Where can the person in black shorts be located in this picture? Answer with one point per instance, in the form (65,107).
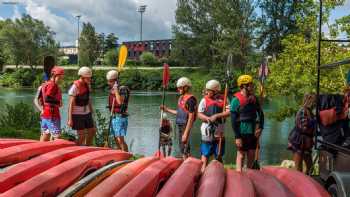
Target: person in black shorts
(185,114)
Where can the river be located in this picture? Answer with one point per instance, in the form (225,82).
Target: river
(144,116)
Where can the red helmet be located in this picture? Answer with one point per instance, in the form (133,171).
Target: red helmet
(56,70)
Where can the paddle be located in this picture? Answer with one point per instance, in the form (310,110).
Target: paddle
(166,78)
(229,62)
(263,72)
(123,52)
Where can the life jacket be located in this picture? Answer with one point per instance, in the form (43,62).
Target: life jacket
(121,108)
(51,102)
(83,96)
(247,107)
(214,105)
(182,112)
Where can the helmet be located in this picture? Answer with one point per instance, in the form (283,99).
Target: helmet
(112,74)
(85,72)
(183,81)
(165,116)
(213,85)
(56,70)
(244,79)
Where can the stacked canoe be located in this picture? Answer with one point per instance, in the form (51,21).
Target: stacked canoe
(60,168)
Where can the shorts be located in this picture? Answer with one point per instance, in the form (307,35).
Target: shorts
(185,149)
(212,148)
(82,121)
(249,142)
(119,126)
(51,126)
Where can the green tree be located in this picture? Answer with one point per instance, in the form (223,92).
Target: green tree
(27,40)
(111,57)
(147,58)
(111,42)
(207,31)
(88,45)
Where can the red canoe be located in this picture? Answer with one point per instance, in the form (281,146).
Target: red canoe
(300,184)
(212,182)
(238,185)
(119,179)
(11,142)
(182,183)
(148,181)
(27,169)
(53,181)
(23,152)
(267,185)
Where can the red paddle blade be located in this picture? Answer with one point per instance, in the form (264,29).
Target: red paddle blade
(166,75)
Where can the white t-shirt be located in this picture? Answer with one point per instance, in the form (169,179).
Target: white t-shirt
(79,110)
(219,129)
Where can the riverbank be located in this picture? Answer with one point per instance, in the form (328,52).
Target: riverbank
(137,78)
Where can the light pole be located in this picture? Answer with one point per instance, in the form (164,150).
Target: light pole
(141,9)
(78,20)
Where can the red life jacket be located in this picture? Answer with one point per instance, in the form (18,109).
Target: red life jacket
(118,108)
(83,96)
(214,105)
(52,100)
(247,107)
(182,112)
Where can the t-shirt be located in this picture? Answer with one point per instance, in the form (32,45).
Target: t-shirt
(205,135)
(79,110)
(191,105)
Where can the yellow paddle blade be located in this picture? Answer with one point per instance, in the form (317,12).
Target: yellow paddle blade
(123,53)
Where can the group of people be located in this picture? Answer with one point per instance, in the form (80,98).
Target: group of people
(244,109)
(48,101)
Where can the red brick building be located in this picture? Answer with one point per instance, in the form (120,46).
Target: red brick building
(160,48)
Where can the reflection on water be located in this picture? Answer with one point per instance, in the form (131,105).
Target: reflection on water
(144,123)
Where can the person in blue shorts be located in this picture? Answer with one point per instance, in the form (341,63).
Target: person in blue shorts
(118,100)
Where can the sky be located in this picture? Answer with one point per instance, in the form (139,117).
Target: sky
(108,16)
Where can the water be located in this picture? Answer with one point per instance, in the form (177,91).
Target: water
(144,123)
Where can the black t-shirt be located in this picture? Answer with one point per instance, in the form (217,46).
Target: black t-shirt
(191,105)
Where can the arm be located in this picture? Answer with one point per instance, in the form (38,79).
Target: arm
(166,109)
(70,109)
(235,125)
(36,101)
(203,117)
(188,127)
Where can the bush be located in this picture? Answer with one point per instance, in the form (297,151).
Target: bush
(133,63)
(147,58)
(111,57)
(63,61)
(18,78)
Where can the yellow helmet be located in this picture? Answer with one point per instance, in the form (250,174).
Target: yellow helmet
(244,79)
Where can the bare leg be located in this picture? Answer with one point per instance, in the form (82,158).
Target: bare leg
(45,137)
(297,157)
(169,149)
(118,147)
(250,158)
(90,136)
(122,143)
(81,137)
(240,161)
(204,161)
(308,161)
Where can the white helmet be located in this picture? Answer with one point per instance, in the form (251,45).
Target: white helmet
(164,116)
(85,72)
(183,81)
(112,74)
(213,85)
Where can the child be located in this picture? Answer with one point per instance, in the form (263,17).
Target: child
(51,99)
(211,104)
(165,135)
(80,108)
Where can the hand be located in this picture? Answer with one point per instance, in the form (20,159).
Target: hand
(212,118)
(184,139)
(238,143)
(41,112)
(257,132)
(164,108)
(70,123)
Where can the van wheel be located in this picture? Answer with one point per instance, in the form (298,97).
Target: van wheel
(333,190)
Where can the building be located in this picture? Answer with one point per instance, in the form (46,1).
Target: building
(70,53)
(160,48)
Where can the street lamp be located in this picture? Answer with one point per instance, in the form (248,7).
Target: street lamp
(78,20)
(141,9)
